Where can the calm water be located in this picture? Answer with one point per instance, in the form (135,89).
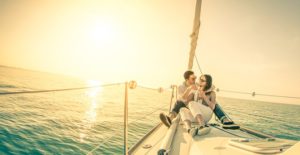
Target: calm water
(78,122)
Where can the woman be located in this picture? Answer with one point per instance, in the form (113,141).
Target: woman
(201,103)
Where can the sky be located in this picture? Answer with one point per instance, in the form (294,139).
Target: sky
(246,45)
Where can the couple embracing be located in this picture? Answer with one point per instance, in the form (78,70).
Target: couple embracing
(197,103)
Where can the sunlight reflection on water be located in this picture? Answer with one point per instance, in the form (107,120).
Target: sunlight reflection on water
(93,104)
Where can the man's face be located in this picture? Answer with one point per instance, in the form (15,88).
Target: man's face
(192,79)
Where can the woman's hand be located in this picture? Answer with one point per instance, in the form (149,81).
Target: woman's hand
(193,87)
(187,95)
(201,93)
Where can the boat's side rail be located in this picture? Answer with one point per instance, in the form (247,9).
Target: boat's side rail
(142,139)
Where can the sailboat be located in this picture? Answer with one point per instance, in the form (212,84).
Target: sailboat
(219,141)
(175,140)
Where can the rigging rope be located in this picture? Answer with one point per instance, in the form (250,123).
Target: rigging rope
(227,131)
(156,89)
(295,97)
(69,89)
(56,90)
(198,65)
(257,94)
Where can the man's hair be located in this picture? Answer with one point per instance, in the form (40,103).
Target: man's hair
(187,74)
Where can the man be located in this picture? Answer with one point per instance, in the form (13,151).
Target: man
(183,92)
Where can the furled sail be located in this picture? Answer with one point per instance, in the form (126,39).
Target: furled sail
(194,35)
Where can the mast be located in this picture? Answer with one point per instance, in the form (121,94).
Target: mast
(194,35)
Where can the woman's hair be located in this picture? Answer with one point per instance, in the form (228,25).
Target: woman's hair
(208,79)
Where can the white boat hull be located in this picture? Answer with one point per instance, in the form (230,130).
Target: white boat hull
(218,142)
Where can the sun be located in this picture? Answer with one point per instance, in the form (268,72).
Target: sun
(102,32)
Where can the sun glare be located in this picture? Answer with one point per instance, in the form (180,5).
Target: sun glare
(91,112)
(93,92)
(102,33)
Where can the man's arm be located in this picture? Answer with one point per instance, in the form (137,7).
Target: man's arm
(190,97)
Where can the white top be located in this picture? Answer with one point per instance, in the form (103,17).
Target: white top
(181,90)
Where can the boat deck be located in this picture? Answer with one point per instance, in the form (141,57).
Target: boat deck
(215,142)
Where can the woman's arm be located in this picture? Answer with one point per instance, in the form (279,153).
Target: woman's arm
(211,103)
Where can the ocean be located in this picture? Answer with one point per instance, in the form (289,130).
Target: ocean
(90,121)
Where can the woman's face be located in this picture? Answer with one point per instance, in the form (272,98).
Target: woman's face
(202,81)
